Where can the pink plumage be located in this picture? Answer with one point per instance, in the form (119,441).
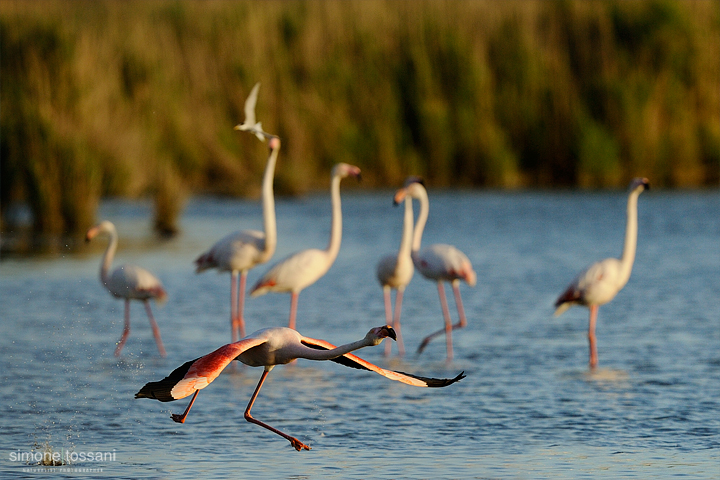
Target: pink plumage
(267,348)
(439,263)
(600,282)
(128,282)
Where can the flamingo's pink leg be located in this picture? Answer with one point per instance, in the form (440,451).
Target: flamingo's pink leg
(126,329)
(388,316)
(181,418)
(293,309)
(591,336)
(240,320)
(297,444)
(155,329)
(462,322)
(396,320)
(448,325)
(233,306)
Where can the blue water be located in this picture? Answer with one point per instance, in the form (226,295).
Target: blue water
(529,407)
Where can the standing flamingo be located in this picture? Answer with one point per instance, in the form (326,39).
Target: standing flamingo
(240,251)
(395,272)
(304,268)
(267,348)
(438,262)
(601,281)
(128,282)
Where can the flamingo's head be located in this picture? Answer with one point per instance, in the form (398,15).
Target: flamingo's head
(376,335)
(274,142)
(414,187)
(103,227)
(640,184)
(343,170)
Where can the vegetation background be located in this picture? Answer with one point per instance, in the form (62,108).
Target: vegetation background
(138,98)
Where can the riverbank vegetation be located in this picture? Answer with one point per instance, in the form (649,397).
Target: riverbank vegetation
(139,98)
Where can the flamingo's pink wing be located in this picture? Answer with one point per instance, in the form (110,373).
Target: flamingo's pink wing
(353,361)
(196,374)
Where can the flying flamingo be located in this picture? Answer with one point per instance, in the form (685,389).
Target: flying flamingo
(267,348)
(240,251)
(438,262)
(395,272)
(304,268)
(601,281)
(128,282)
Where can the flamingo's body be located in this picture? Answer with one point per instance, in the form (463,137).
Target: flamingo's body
(601,281)
(438,262)
(250,125)
(267,348)
(240,251)
(394,272)
(302,269)
(129,282)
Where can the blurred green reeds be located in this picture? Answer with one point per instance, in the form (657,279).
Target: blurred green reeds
(138,98)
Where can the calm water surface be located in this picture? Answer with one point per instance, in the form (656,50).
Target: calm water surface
(528,408)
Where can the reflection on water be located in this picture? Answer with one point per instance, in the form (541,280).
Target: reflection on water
(529,408)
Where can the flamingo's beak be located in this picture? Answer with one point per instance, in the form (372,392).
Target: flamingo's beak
(390,332)
(90,234)
(399,196)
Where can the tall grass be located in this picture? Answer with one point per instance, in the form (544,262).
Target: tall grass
(139,98)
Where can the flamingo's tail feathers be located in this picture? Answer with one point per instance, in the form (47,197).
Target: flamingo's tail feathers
(162,390)
(160,295)
(561,308)
(204,262)
(570,297)
(470,276)
(262,287)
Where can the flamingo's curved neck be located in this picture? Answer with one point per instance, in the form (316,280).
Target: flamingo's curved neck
(421,220)
(407,235)
(631,231)
(313,354)
(336,227)
(268,199)
(108,257)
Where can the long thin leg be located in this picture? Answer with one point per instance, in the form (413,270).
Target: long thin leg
(155,329)
(591,336)
(448,325)
(293,309)
(458,301)
(388,315)
(126,329)
(233,307)
(297,444)
(240,320)
(396,320)
(181,418)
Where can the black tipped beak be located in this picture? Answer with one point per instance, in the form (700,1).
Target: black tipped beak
(359,177)
(391,332)
(395,203)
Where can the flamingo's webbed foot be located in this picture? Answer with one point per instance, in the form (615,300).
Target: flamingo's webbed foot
(178,418)
(298,444)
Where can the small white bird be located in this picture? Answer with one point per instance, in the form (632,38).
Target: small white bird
(129,282)
(601,281)
(250,125)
